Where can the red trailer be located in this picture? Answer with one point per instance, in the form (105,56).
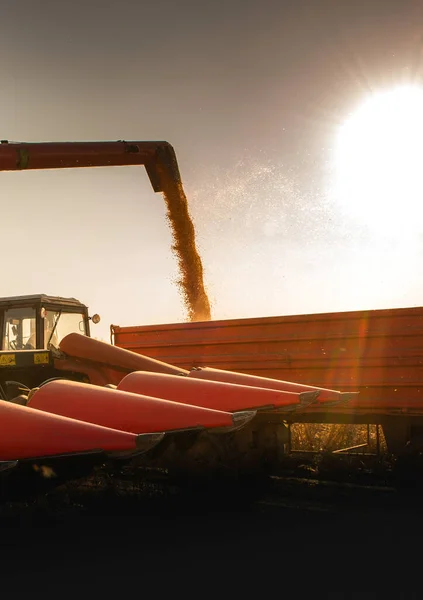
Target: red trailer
(376,352)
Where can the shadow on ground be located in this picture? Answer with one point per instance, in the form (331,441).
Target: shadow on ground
(113,539)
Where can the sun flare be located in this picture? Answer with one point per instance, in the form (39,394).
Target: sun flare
(379,158)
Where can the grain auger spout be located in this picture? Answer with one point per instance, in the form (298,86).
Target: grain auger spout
(159,160)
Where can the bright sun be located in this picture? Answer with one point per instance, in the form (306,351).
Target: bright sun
(379,159)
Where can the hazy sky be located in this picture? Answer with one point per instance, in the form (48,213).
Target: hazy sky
(251,95)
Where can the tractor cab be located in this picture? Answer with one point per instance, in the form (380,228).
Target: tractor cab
(40,322)
(31,327)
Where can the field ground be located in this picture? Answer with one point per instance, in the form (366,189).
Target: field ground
(297,538)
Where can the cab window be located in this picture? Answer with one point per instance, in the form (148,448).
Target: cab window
(58,325)
(19,332)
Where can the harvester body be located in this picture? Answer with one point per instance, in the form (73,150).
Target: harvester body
(66,398)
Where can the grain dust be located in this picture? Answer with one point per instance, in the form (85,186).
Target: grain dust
(191,283)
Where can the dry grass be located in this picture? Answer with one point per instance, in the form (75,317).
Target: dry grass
(327,438)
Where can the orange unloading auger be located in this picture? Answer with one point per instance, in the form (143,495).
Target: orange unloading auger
(158,158)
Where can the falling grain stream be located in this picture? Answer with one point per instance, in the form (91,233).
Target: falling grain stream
(191,282)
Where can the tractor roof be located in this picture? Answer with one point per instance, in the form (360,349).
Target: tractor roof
(39,299)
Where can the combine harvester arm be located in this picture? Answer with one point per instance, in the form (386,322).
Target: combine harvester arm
(254,440)
(158,158)
(224,403)
(326,396)
(105,364)
(41,450)
(129,412)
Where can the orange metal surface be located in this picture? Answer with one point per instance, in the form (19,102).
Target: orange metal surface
(378,353)
(221,396)
(123,410)
(210,374)
(95,373)
(80,347)
(155,156)
(28,433)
